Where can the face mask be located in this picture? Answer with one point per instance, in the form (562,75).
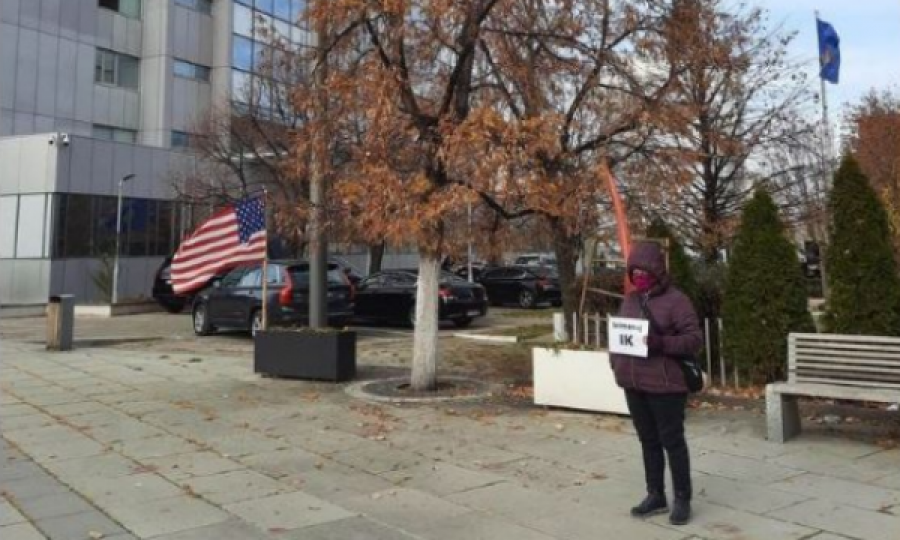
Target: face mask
(643,282)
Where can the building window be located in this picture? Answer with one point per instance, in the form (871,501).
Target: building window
(266,6)
(203,6)
(189,70)
(128,8)
(85,226)
(180,139)
(242,53)
(108,133)
(116,69)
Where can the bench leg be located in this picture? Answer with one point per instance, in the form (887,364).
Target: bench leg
(782,415)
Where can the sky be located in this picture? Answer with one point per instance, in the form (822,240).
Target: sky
(870,43)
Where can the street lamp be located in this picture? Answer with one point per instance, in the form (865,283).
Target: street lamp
(115,283)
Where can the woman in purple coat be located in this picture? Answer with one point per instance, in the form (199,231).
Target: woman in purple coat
(654,386)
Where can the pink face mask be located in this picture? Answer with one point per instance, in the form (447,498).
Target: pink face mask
(643,282)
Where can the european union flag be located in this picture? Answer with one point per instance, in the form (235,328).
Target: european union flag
(829,52)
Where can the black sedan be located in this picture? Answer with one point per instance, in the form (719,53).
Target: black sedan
(391,296)
(235,301)
(526,286)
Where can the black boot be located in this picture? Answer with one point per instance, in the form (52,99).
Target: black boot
(654,503)
(681,510)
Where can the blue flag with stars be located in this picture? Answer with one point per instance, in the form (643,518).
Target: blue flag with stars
(251,216)
(829,52)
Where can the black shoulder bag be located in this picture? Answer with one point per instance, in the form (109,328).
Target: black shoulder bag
(694,377)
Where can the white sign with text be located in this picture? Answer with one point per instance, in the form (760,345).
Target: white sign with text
(628,336)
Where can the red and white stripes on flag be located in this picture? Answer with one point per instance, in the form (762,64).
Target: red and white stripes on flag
(216,247)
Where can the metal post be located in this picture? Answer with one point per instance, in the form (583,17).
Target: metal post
(470,250)
(115,281)
(265,265)
(721,356)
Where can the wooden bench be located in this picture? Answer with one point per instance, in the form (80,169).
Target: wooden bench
(857,368)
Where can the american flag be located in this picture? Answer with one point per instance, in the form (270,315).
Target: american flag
(233,236)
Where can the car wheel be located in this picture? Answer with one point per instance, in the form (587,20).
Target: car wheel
(255,323)
(200,318)
(526,299)
(463,323)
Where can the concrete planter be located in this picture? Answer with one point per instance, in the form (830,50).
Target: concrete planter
(576,380)
(109,310)
(305,354)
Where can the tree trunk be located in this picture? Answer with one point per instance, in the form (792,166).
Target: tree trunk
(376,257)
(425,336)
(567,248)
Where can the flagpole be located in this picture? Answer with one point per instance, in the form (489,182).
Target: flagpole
(827,149)
(265,265)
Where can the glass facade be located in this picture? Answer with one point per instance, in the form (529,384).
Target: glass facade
(190,70)
(203,6)
(266,33)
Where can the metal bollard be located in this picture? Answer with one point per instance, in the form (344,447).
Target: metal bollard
(60,322)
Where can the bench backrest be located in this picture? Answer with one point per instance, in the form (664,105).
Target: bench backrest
(867,361)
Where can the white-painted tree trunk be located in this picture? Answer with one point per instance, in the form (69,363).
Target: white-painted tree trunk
(425,337)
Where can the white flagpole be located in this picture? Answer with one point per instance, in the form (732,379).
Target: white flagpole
(265,265)
(827,151)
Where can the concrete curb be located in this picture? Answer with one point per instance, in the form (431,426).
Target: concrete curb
(358,391)
(487,337)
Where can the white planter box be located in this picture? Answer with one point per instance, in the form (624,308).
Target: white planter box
(576,380)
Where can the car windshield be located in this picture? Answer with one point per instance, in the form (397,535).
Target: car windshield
(446,277)
(543,271)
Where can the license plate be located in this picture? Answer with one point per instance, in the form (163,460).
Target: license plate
(473,313)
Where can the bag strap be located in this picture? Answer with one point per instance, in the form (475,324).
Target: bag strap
(645,311)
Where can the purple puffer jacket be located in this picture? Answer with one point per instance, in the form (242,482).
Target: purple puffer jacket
(660,373)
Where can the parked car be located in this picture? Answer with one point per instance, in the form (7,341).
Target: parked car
(354,276)
(535,259)
(235,301)
(526,286)
(462,271)
(163,293)
(391,296)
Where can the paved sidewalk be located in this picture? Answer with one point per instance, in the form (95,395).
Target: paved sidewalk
(116,444)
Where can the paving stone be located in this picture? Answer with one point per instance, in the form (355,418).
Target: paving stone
(890,482)
(124,432)
(377,459)
(108,465)
(539,474)
(335,482)
(741,468)
(355,528)
(184,466)
(152,447)
(476,526)
(77,447)
(411,510)
(78,526)
(7,412)
(230,487)
(283,463)
(512,501)
(239,444)
(106,417)
(31,487)
(841,491)
(580,522)
(571,451)
(9,515)
(54,396)
(750,447)
(21,531)
(287,511)
(141,408)
(53,505)
(69,410)
(127,489)
(16,470)
(226,530)
(827,464)
(441,478)
(840,519)
(165,516)
(717,522)
(27,421)
(744,495)
(40,435)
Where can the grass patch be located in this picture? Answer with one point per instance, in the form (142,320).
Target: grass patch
(546,313)
(525,333)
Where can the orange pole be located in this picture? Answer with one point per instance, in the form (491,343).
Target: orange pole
(622,231)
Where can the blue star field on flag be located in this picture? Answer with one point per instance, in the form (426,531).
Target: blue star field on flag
(251,216)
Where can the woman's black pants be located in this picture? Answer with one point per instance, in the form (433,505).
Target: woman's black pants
(659,422)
